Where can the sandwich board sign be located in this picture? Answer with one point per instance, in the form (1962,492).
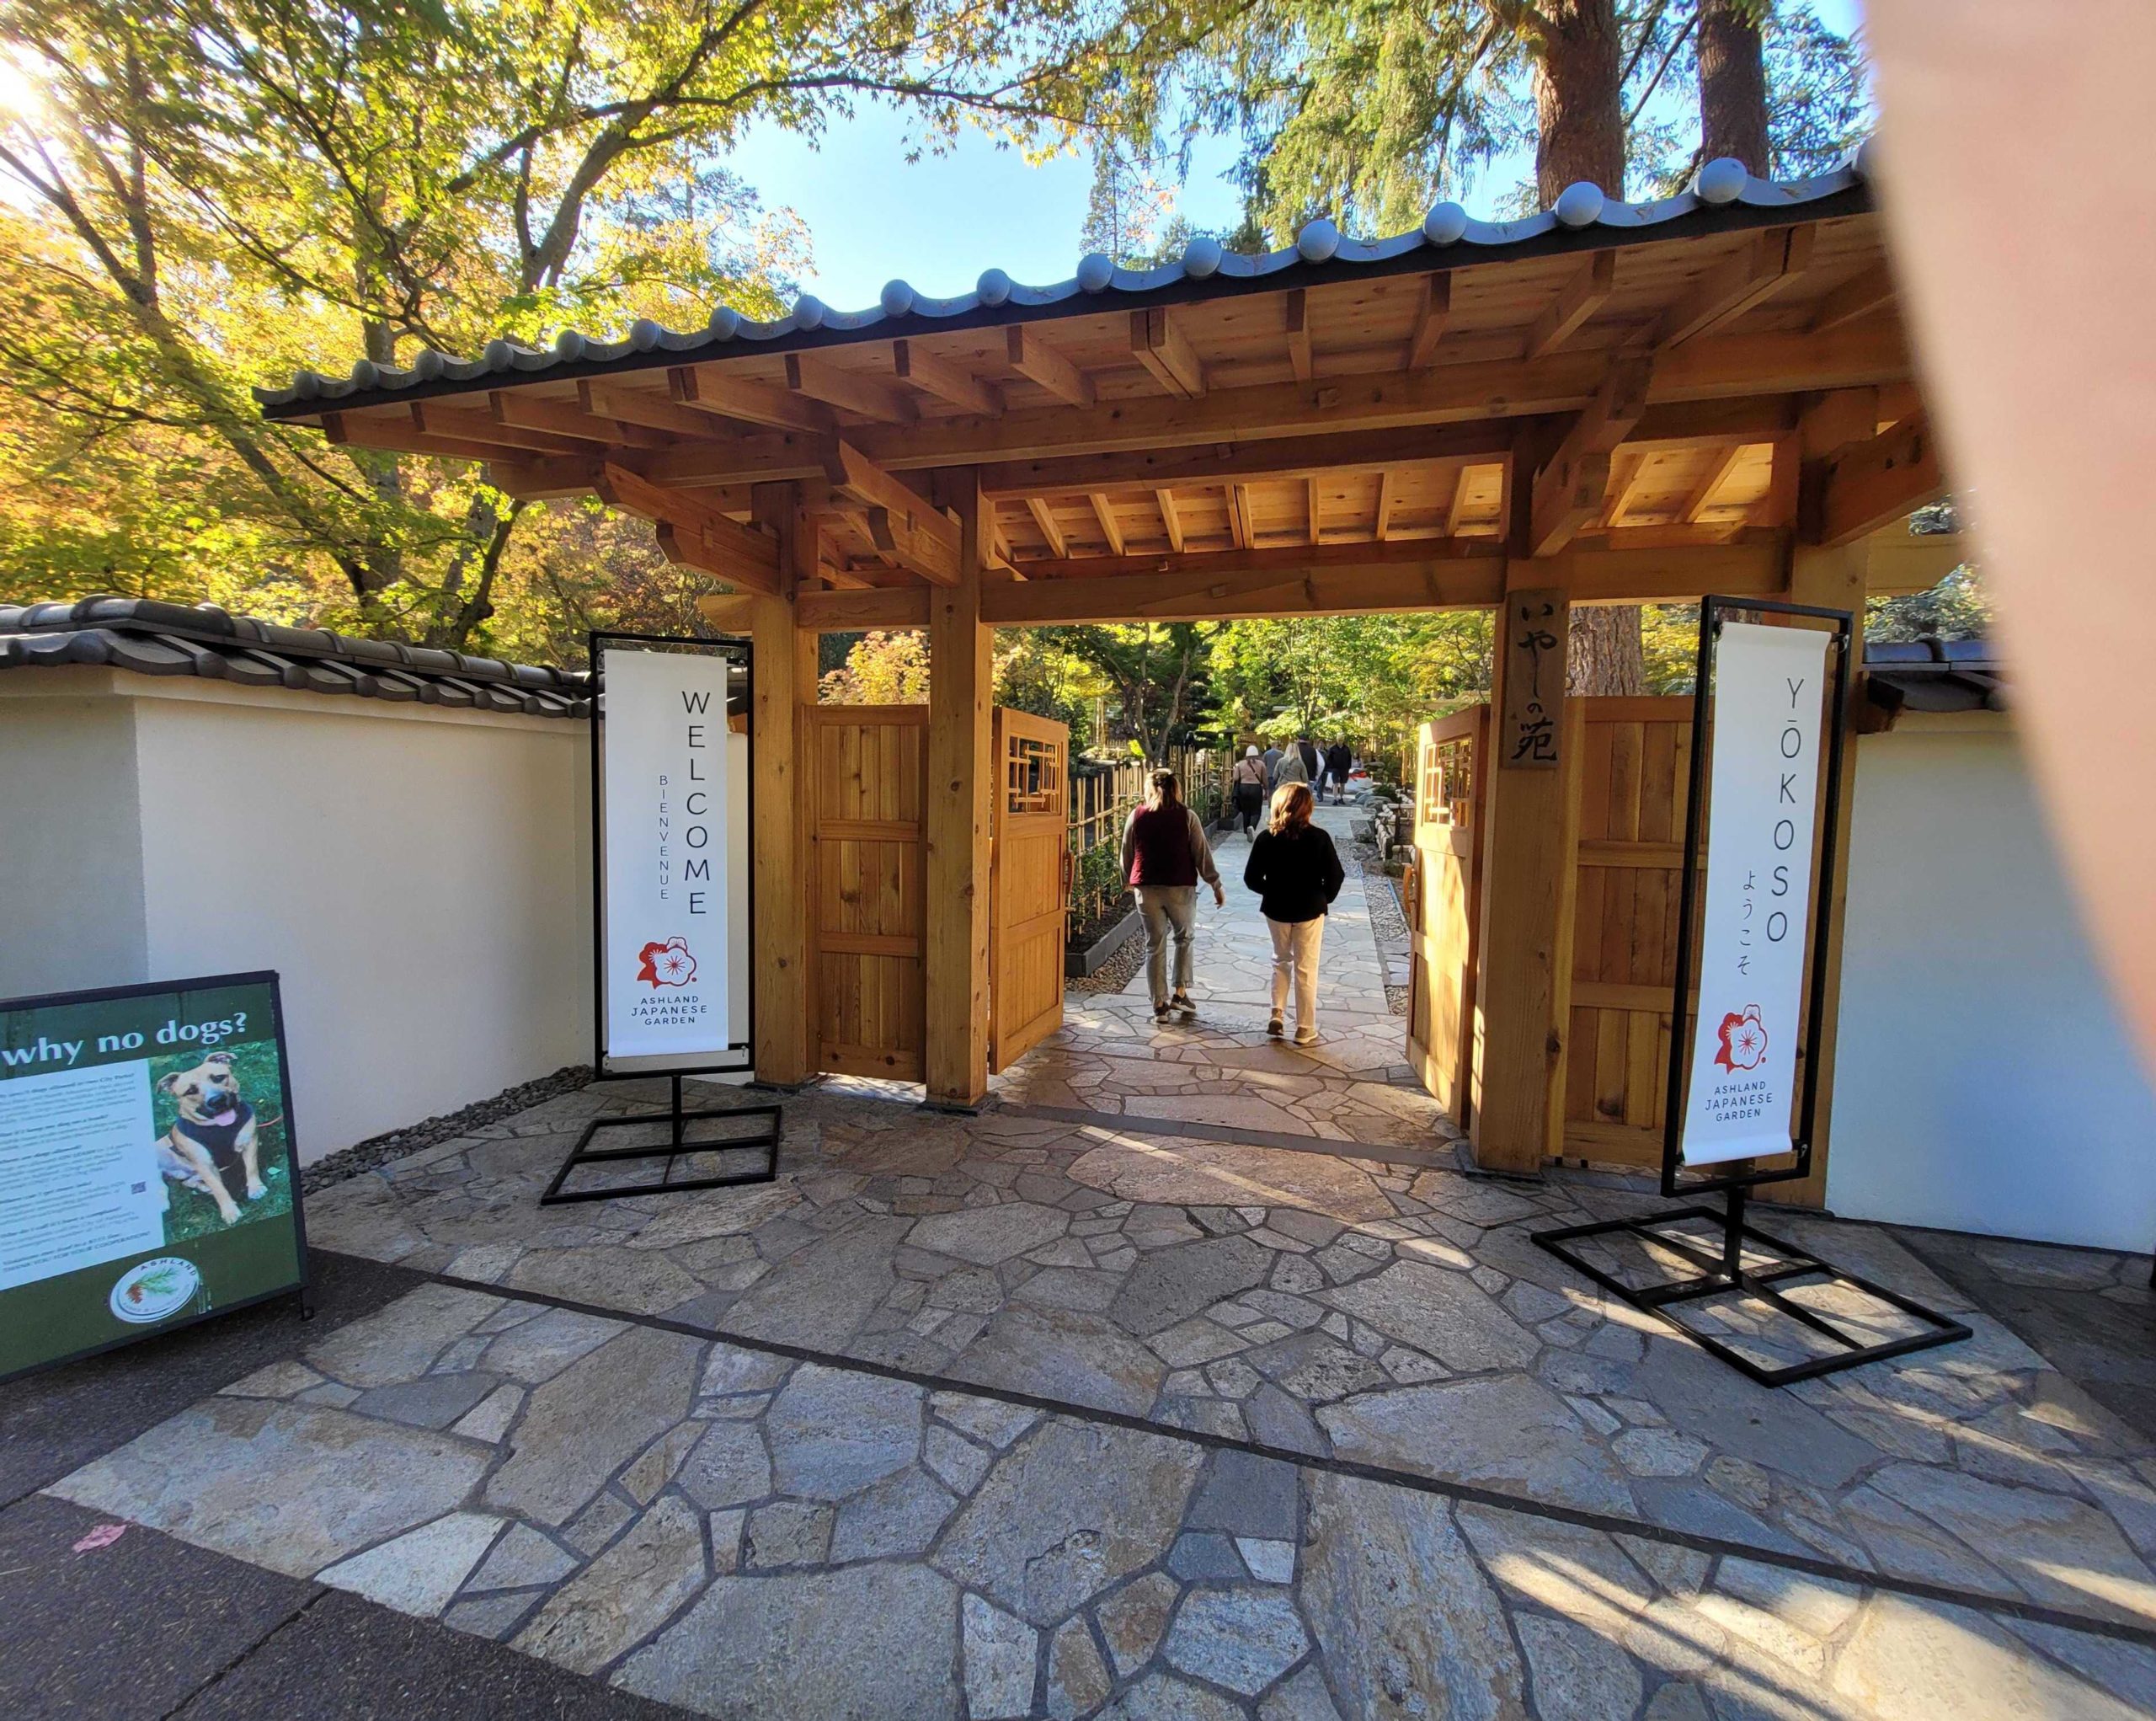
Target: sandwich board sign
(148,1178)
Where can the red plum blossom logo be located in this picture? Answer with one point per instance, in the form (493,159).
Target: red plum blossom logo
(668,964)
(1743,1040)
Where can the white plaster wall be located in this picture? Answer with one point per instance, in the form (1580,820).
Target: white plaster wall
(419,879)
(73,885)
(1982,1081)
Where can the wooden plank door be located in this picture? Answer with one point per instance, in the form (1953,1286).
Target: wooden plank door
(863,778)
(1443,911)
(1633,757)
(1030,884)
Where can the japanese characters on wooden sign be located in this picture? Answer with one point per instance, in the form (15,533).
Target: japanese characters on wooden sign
(1533,641)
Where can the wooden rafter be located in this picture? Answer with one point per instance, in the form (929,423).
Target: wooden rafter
(1310,510)
(1297,311)
(945,380)
(1627,466)
(477,423)
(1240,531)
(1578,299)
(1855,299)
(1157,342)
(714,389)
(1381,521)
(1432,311)
(1044,519)
(1273,457)
(1104,513)
(1769,264)
(642,406)
(1456,506)
(1170,518)
(400,436)
(694,535)
(1040,363)
(872,397)
(1718,466)
(530,412)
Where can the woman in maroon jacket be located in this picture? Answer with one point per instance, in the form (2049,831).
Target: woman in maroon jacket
(1296,872)
(1164,854)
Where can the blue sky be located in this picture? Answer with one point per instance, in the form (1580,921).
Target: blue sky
(938,222)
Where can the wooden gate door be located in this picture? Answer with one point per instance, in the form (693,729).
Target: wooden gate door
(863,781)
(1442,906)
(1030,887)
(1633,757)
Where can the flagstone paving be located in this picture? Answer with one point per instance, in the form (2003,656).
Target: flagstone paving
(1306,1303)
(1111,1057)
(747,1534)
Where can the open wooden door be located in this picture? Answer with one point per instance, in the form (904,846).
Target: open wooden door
(1443,910)
(863,774)
(1030,884)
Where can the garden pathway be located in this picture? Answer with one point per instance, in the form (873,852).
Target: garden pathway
(1353,1090)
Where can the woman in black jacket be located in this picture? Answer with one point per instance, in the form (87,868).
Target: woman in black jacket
(1296,872)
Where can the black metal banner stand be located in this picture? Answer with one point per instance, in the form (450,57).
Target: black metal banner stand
(1775,1264)
(676,1120)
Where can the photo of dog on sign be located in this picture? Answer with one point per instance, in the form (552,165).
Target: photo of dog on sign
(220,1143)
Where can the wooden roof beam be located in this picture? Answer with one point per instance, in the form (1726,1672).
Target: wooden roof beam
(1297,311)
(1256,457)
(693,535)
(945,380)
(435,417)
(1769,264)
(1858,490)
(1570,487)
(742,400)
(531,412)
(1431,313)
(1241,532)
(638,406)
(1042,365)
(903,524)
(1855,299)
(869,395)
(1627,466)
(1578,300)
(1381,520)
(1157,342)
(401,436)
(1456,506)
(1310,508)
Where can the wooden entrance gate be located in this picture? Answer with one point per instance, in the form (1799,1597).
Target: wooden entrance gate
(1443,905)
(1633,761)
(863,780)
(1031,882)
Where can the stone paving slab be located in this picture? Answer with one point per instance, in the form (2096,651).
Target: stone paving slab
(1314,1305)
(807,1540)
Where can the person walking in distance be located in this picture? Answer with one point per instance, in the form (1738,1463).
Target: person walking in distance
(1164,854)
(1272,767)
(1339,760)
(1295,765)
(1296,872)
(1250,787)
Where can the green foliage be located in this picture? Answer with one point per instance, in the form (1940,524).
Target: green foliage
(1957,608)
(1366,678)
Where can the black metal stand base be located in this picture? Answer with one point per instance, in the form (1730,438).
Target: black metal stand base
(677,1144)
(1728,1273)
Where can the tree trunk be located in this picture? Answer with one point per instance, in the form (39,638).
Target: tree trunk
(1733,82)
(1580,111)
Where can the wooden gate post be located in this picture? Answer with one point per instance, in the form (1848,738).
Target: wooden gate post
(961,696)
(785,679)
(1521,994)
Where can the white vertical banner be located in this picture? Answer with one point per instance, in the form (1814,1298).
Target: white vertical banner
(663,947)
(1769,705)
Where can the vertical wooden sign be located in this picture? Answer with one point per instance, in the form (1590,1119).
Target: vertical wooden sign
(1533,633)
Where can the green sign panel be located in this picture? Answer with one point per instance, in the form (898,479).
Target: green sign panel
(148,1177)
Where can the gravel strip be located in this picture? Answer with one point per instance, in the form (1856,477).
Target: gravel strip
(380,1150)
(1388,919)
